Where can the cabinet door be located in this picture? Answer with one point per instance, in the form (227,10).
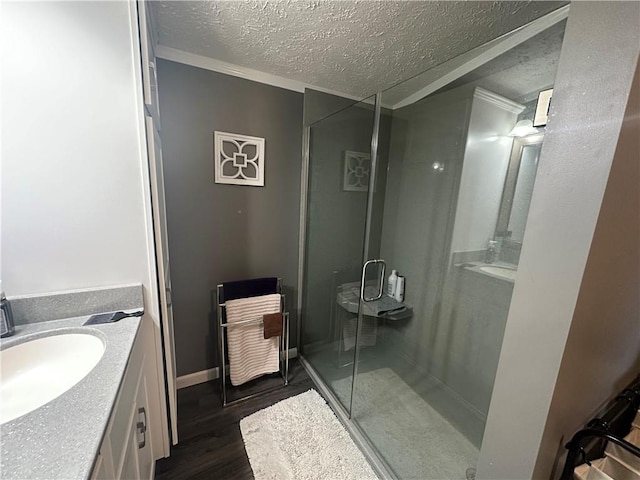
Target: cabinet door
(103,469)
(99,470)
(130,466)
(145,451)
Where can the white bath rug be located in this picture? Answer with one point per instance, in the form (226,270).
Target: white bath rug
(301,438)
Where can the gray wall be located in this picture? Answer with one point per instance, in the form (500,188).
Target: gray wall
(604,340)
(217,232)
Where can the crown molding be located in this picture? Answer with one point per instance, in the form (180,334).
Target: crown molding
(214,65)
(498,100)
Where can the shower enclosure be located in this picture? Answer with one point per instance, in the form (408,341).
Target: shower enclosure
(429,178)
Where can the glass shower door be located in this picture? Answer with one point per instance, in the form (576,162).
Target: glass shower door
(448,213)
(339,173)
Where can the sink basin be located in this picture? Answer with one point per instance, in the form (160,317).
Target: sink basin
(504,272)
(37,371)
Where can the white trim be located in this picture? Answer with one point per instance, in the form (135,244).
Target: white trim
(157,394)
(498,100)
(211,374)
(494,49)
(208,63)
(197,377)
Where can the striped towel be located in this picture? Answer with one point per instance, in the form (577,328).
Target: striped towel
(368,334)
(250,355)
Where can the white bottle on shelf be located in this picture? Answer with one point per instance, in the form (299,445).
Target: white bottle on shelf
(399,295)
(391,283)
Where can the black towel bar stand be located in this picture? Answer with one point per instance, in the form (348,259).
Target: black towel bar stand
(615,423)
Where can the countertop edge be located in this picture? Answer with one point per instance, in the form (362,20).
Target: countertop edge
(62,438)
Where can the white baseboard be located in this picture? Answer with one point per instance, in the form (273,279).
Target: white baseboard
(211,374)
(197,377)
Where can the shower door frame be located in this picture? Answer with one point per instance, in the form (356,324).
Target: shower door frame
(357,434)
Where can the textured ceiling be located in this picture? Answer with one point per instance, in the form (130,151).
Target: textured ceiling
(523,71)
(354,47)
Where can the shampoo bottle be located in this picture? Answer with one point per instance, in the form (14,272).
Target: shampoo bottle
(399,296)
(391,283)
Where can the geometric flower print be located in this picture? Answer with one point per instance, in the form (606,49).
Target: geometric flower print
(357,166)
(238,159)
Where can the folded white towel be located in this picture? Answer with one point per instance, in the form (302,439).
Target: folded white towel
(250,355)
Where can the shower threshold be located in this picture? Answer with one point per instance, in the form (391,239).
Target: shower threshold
(382,469)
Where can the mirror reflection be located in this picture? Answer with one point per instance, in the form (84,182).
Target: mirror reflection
(525,154)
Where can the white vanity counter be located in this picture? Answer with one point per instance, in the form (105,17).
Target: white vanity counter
(66,437)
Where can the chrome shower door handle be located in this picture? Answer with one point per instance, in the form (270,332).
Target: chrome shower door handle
(380,283)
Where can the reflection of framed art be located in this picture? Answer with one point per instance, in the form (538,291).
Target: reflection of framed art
(542,108)
(357,167)
(238,159)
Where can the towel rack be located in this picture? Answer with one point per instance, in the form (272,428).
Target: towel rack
(246,289)
(589,444)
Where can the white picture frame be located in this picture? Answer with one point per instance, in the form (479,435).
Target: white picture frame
(357,169)
(238,159)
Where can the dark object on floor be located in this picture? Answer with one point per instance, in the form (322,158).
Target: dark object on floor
(209,440)
(111,317)
(272,324)
(611,426)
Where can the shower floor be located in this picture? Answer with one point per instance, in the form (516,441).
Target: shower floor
(414,439)
(391,406)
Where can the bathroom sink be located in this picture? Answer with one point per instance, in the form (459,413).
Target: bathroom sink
(37,371)
(504,272)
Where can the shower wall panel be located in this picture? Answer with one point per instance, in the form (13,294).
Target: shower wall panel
(426,151)
(336,217)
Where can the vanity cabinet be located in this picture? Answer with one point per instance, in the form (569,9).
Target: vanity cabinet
(126,450)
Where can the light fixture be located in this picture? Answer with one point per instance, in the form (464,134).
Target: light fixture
(523,128)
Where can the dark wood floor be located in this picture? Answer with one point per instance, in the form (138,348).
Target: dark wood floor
(210,443)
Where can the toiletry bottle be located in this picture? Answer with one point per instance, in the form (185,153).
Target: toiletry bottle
(491,255)
(391,283)
(399,295)
(6,321)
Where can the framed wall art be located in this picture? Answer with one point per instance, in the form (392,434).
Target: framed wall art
(238,159)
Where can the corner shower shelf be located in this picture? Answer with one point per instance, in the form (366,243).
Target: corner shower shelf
(348,297)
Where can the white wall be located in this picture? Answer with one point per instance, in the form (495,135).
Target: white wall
(75,188)
(486,159)
(73,212)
